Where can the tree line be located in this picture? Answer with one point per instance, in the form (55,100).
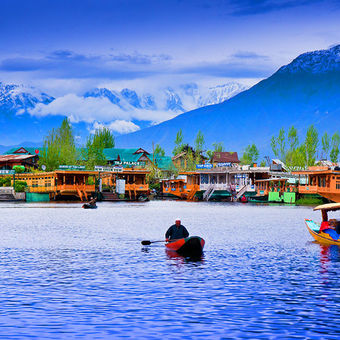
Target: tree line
(60,148)
(287,147)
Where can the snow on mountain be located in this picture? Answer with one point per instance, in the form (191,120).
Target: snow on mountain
(302,93)
(19,98)
(221,93)
(185,97)
(322,61)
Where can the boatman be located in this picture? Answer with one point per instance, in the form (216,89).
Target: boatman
(176,231)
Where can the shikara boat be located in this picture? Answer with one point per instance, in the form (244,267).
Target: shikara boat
(89,206)
(190,246)
(314,228)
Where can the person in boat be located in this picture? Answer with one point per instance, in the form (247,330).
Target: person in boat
(176,231)
(92,201)
(330,228)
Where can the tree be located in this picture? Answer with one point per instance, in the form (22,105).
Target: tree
(159,151)
(93,154)
(199,145)
(311,145)
(218,147)
(59,147)
(178,143)
(279,145)
(334,155)
(325,141)
(250,155)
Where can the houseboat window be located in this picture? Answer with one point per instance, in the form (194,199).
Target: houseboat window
(213,179)
(221,179)
(204,179)
(338,185)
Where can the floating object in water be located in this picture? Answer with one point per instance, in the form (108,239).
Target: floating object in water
(89,206)
(326,236)
(189,246)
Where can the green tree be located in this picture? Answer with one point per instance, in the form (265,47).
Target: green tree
(178,143)
(250,155)
(293,143)
(159,151)
(311,145)
(93,154)
(190,160)
(334,155)
(59,147)
(217,147)
(199,145)
(278,145)
(325,141)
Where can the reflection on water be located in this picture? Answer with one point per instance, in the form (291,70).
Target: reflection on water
(73,273)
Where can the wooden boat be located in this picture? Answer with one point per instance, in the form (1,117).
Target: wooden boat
(190,246)
(89,206)
(314,228)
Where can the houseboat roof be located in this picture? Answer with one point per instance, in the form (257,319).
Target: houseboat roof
(23,151)
(13,158)
(316,172)
(328,207)
(225,157)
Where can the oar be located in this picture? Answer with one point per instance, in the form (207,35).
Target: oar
(146,242)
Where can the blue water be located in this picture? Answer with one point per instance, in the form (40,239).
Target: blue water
(69,273)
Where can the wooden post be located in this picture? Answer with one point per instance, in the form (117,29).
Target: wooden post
(324,215)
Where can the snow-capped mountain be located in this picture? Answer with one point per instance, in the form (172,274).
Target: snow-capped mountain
(221,93)
(185,97)
(322,61)
(19,98)
(302,93)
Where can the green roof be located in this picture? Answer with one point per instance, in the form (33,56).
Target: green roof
(30,150)
(163,162)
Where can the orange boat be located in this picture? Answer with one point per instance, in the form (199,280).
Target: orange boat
(189,246)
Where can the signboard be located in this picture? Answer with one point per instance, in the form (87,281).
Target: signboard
(223,165)
(120,186)
(71,167)
(7,172)
(125,163)
(204,166)
(108,168)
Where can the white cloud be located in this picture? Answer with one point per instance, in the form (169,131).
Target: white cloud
(120,126)
(92,109)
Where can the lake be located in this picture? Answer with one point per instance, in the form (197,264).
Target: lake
(68,273)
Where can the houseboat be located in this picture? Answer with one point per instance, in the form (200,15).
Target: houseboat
(185,186)
(321,180)
(126,181)
(60,183)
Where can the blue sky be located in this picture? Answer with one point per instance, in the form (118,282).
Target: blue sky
(66,47)
(124,40)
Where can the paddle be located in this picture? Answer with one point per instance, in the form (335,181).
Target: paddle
(147,243)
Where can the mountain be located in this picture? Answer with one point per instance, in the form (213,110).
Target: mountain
(19,121)
(185,97)
(16,123)
(19,99)
(304,92)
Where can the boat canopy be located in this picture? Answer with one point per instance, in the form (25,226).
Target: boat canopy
(328,207)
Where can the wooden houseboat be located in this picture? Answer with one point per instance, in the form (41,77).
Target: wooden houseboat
(185,186)
(322,181)
(277,189)
(61,183)
(133,180)
(230,181)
